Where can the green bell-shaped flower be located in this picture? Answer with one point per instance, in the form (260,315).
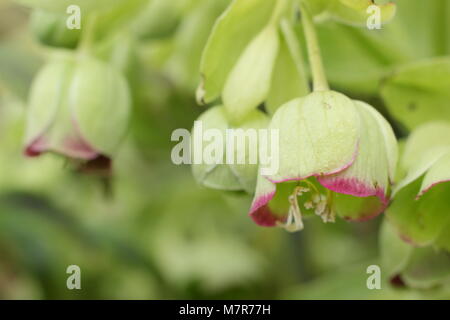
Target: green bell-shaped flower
(336,156)
(224,156)
(78,107)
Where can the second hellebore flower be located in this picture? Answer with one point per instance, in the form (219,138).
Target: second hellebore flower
(79,107)
(337,156)
(220,173)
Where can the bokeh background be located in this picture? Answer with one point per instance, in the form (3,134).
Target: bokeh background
(149,231)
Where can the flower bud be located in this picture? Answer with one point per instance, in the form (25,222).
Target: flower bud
(211,131)
(249,81)
(78,107)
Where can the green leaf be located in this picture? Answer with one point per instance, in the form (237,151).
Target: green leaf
(231,34)
(420,210)
(190,38)
(438,173)
(425,139)
(419,92)
(412,26)
(249,81)
(357,49)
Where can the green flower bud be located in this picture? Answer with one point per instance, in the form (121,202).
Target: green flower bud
(50,29)
(249,82)
(78,107)
(221,174)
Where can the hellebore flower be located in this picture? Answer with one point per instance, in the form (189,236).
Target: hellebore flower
(420,211)
(224,156)
(79,107)
(336,156)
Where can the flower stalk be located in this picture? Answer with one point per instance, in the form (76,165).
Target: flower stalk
(320,82)
(88,36)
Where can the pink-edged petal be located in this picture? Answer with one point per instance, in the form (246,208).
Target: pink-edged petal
(369,176)
(36,147)
(76,147)
(260,211)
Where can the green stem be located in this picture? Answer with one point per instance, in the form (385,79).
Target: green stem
(280,7)
(88,36)
(320,82)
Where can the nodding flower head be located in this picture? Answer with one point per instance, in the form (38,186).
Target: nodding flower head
(218,172)
(337,157)
(79,107)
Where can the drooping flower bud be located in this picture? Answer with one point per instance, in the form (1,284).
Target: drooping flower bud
(226,157)
(249,82)
(337,156)
(78,107)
